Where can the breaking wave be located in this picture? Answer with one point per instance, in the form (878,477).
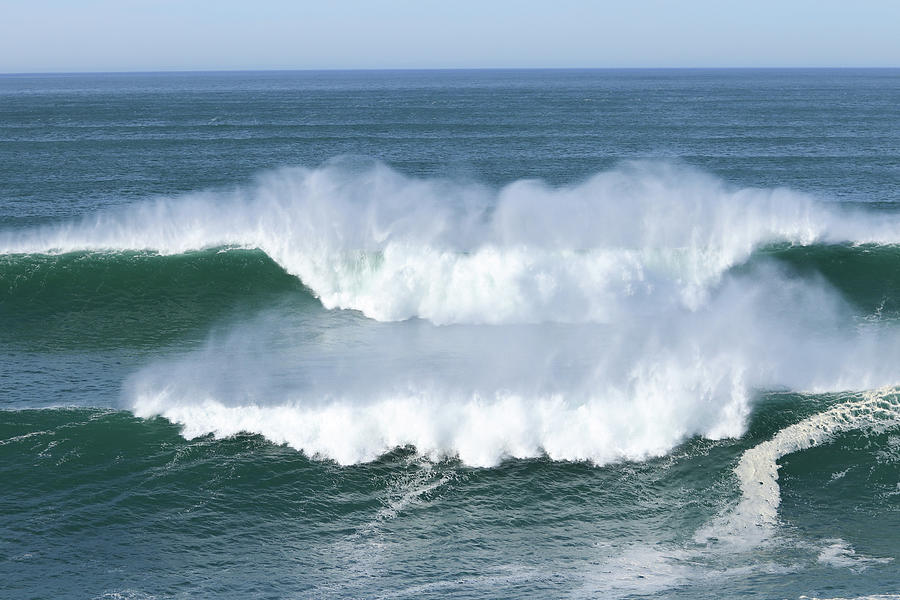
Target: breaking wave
(632,240)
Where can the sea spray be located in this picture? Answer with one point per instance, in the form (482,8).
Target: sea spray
(595,392)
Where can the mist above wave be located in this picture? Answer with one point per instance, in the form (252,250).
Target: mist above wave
(598,392)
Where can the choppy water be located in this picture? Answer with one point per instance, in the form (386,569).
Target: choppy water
(496,334)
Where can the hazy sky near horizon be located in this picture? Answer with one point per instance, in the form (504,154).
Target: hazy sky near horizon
(140,35)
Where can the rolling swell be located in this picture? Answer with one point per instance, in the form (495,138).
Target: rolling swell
(115,297)
(867,275)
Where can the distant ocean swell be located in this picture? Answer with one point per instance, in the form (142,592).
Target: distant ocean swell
(604,321)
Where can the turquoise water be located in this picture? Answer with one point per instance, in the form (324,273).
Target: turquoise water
(488,334)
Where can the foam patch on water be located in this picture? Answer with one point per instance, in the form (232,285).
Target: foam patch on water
(643,570)
(125,595)
(840,554)
(639,570)
(756,515)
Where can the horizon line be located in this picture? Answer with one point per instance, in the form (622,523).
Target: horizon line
(429,69)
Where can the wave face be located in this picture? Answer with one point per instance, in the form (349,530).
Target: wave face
(603,321)
(127,298)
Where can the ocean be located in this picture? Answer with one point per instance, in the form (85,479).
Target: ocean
(450,334)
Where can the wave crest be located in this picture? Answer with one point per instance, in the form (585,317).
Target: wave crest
(629,240)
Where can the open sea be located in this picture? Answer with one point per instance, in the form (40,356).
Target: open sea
(450,334)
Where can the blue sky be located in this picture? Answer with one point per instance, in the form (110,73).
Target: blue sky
(117,35)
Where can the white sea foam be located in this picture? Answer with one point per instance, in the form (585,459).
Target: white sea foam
(480,431)
(840,554)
